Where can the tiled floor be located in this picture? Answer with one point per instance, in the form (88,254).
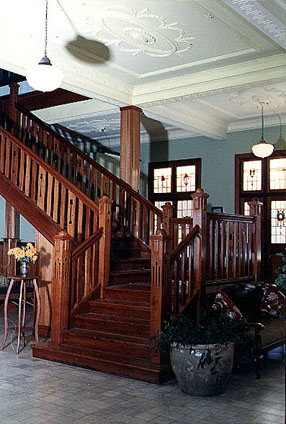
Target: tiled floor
(37,391)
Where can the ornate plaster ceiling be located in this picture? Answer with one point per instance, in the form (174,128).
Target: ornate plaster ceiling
(195,67)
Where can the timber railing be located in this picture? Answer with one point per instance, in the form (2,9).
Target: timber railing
(135,213)
(185,263)
(64,203)
(231,246)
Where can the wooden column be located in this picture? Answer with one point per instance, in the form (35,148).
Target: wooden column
(161,290)
(60,287)
(104,243)
(130,146)
(200,218)
(255,210)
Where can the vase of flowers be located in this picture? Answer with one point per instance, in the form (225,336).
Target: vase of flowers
(24,255)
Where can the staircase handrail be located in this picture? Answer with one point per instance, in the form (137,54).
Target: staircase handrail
(83,282)
(9,166)
(184,243)
(86,244)
(85,157)
(51,170)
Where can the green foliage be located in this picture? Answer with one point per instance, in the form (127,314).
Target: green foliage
(212,328)
(280,272)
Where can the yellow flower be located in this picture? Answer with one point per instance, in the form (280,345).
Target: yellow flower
(27,253)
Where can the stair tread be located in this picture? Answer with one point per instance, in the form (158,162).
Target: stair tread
(102,356)
(117,303)
(131,272)
(103,335)
(115,318)
(139,286)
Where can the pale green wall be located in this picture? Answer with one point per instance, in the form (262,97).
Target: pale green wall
(218,159)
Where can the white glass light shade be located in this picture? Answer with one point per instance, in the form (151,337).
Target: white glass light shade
(263,149)
(44,76)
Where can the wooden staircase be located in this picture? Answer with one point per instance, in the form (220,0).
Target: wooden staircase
(115,277)
(112,334)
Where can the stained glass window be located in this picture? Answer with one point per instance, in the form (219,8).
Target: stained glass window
(186,178)
(277,174)
(252,175)
(278,221)
(162,180)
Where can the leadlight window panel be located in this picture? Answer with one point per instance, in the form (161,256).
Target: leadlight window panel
(277,174)
(252,176)
(186,178)
(162,181)
(185,209)
(246,209)
(278,227)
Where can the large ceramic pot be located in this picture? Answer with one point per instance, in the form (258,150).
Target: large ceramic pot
(202,370)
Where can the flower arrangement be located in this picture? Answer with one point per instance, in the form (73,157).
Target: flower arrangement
(27,253)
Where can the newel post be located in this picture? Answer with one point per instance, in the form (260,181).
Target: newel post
(160,297)
(60,286)
(255,210)
(168,214)
(200,218)
(104,243)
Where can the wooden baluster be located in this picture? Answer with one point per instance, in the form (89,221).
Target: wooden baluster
(71,214)
(136,217)
(160,297)
(105,205)
(41,188)
(50,196)
(60,287)
(235,250)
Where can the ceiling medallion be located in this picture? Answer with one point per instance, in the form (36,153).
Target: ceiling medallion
(141,32)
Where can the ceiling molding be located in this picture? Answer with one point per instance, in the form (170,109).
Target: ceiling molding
(261,18)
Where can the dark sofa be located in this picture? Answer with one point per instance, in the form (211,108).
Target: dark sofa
(266,325)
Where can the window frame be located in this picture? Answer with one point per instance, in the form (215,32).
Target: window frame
(174,195)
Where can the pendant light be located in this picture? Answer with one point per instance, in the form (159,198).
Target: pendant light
(262,149)
(44,76)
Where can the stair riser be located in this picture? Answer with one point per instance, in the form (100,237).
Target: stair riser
(102,325)
(124,253)
(118,311)
(113,346)
(132,295)
(132,265)
(130,278)
(151,376)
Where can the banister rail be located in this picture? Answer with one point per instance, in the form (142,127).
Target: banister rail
(185,271)
(181,227)
(84,269)
(231,246)
(57,197)
(133,211)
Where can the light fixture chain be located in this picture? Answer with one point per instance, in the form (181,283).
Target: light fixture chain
(46,29)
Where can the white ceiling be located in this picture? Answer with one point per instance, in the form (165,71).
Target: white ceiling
(195,67)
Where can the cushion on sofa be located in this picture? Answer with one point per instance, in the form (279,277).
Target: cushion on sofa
(273,301)
(222,303)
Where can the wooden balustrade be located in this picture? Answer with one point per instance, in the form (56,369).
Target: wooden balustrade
(64,203)
(185,271)
(129,208)
(231,247)
(84,269)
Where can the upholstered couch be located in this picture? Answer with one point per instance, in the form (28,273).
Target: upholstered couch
(263,307)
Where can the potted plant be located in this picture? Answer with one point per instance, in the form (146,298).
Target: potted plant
(280,272)
(202,350)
